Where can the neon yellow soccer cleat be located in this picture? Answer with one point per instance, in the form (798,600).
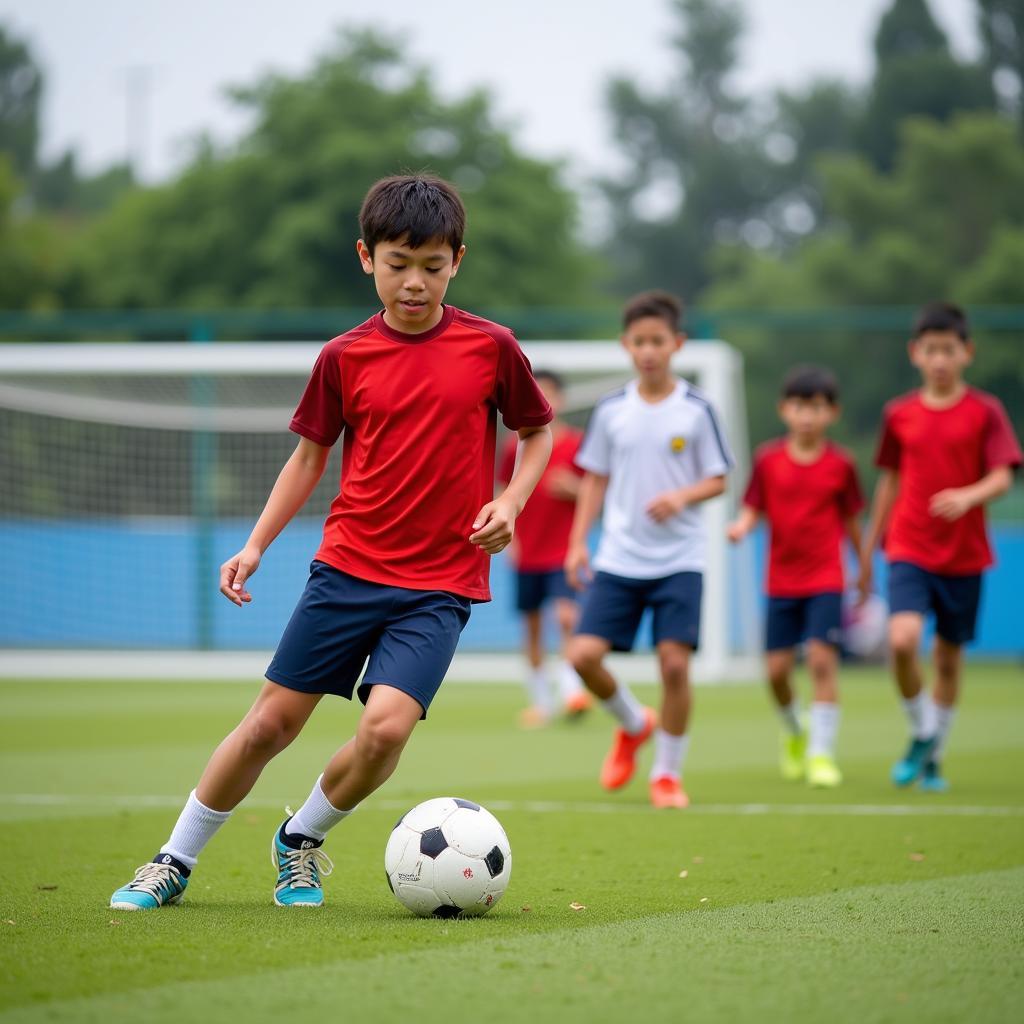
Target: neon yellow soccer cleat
(823,772)
(792,755)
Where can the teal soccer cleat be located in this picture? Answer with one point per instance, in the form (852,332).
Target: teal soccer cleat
(931,780)
(905,771)
(300,862)
(159,883)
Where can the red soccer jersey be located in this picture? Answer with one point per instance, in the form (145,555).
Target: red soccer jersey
(933,449)
(806,506)
(418,413)
(542,531)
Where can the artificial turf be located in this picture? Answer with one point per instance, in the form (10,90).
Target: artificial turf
(863,904)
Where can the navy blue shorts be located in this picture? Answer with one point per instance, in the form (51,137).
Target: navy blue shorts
(614,605)
(953,599)
(534,588)
(792,620)
(409,637)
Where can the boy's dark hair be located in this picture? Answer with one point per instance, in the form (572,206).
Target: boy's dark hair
(660,304)
(810,382)
(413,207)
(942,316)
(552,376)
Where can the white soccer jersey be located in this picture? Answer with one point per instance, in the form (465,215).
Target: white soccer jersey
(646,449)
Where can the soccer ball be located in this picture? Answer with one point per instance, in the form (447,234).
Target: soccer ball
(865,627)
(448,857)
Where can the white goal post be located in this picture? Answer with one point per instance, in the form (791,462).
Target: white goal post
(177,444)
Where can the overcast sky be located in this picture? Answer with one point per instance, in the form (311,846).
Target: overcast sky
(546,61)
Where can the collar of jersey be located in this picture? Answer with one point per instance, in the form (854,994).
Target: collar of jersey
(633,390)
(447,316)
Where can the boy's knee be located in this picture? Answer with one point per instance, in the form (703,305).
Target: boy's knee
(379,739)
(584,654)
(267,732)
(675,667)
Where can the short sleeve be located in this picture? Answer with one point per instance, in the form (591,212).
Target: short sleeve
(319,416)
(595,451)
(714,457)
(1001,447)
(516,393)
(887,455)
(851,498)
(754,495)
(507,466)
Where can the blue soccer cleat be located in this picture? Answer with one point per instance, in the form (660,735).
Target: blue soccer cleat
(931,780)
(905,771)
(299,868)
(159,883)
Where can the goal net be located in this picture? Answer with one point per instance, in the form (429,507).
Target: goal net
(130,472)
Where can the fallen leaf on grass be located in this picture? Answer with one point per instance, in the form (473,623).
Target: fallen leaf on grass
(11,921)
(577,906)
(46,888)
(115,923)
(683,873)
(525,910)
(698,860)
(704,899)
(917,856)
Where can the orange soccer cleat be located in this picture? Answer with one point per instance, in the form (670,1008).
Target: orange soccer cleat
(577,705)
(620,763)
(667,791)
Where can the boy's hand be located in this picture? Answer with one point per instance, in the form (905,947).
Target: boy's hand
(864,584)
(577,566)
(736,531)
(563,483)
(494,526)
(235,571)
(950,504)
(666,505)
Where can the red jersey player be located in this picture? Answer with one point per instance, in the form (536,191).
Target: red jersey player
(538,551)
(806,488)
(406,545)
(946,450)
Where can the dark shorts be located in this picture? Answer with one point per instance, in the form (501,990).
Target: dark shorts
(534,588)
(409,637)
(792,620)
(953,599)
(614,605)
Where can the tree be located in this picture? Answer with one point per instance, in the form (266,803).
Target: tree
(21,87)
(1001,24)
(273,223)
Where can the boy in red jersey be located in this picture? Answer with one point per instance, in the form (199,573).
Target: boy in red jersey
(806,488)
(406,545)
(542,537)
(946,450)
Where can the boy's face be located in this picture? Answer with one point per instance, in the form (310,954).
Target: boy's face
(808,418)
(651,343)
(553,393)
(941,357)
(411,282)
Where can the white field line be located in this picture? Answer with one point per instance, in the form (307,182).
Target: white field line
(82,800)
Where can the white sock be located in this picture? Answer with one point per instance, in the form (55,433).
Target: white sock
(669,754)
(790,715)
(626,709)
(943,721)
(317,816)
(196,826)
(537,687)
(569,683)
(919,714)
(824,726)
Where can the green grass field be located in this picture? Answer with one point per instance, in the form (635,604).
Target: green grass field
(865,904)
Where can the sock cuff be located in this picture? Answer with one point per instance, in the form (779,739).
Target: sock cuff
(337,810)
(207,812)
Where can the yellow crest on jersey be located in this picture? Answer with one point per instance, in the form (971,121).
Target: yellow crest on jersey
(677,444)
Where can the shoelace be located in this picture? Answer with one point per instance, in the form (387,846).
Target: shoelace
(150,878)
(300,865)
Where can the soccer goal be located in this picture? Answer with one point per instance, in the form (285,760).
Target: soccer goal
(131,471)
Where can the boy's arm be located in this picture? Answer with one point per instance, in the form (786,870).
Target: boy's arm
(495,522)
(294,485)
(671,503)
(887,488)
(743,523)
(955,502)
(593,487)
(852,528)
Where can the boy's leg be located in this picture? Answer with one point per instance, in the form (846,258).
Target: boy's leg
(539,710)
(793,741)
(273,721)
(823,663)
(575,698)
(671,740)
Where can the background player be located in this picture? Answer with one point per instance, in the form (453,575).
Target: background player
(945,451)
(406,545)
(538,552)
(806,488)
(653,451)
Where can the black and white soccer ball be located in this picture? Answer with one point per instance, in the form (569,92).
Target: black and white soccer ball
(448,857)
